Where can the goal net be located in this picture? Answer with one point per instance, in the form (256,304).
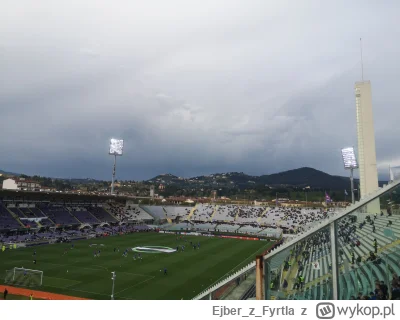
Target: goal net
(24,277)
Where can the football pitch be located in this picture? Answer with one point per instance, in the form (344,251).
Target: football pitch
(78,273)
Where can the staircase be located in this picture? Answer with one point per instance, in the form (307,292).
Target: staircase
(74,216)
(15,216)
(262,215)
(105,209)
(94,216)
(215,210)
(191,212)
(23,214)
(166,214)
(237,214)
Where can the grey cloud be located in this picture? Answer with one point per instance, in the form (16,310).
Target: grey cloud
(191,88)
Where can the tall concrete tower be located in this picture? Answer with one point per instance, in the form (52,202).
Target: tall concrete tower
(152,191)
(366,143)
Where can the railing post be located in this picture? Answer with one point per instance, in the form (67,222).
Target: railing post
(259,277)
(267,280)
(335,278)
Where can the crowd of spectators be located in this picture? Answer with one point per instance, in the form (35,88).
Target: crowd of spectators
(381,291)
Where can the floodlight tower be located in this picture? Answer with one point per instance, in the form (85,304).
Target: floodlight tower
(366,141)
(116,149)
(350,163)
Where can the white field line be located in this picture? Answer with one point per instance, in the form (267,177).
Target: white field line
(103,268)
(66,265)
(75,284)
(69,280)
(96,265)
(224,276)
(136,284)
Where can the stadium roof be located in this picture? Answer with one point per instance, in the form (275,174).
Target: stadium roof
(13,195)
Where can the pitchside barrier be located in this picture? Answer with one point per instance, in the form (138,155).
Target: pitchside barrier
(12,245)
(24,277)
(220,235)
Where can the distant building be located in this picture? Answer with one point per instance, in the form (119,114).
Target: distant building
(214,194)
(10,184)
(161,187)
(28,185)
(116,184)
(46,189)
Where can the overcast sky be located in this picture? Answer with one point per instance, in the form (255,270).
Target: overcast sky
(193,87)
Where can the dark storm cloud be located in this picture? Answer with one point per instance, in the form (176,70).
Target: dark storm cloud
(192,88)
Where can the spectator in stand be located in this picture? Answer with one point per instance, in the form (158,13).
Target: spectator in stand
(384,288)
(396,291)
(381,295)
(395,280)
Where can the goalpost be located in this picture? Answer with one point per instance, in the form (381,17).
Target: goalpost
(24,277)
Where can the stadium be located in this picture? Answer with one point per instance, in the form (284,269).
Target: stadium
(59,236)
(69,246)
(84,246)
(219,119)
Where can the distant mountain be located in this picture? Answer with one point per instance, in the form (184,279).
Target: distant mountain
(166,179)
(301,177)
(81,181)
(72,180)
(304,177)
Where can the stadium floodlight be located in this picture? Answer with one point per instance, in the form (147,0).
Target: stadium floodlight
(116,149)
(350,163)
(349,158)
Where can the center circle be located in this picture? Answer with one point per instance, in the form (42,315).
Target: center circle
(153,249)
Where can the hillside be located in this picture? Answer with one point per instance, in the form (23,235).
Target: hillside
(304,177)
(300,178)
(9,173)
(296,178)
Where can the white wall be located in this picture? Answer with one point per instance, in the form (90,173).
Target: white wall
(10,184)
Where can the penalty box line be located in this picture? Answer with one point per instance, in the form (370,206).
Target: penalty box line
(227,274)
(97,269)
(136,284)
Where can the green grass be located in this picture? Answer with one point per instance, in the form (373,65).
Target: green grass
(189,272)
